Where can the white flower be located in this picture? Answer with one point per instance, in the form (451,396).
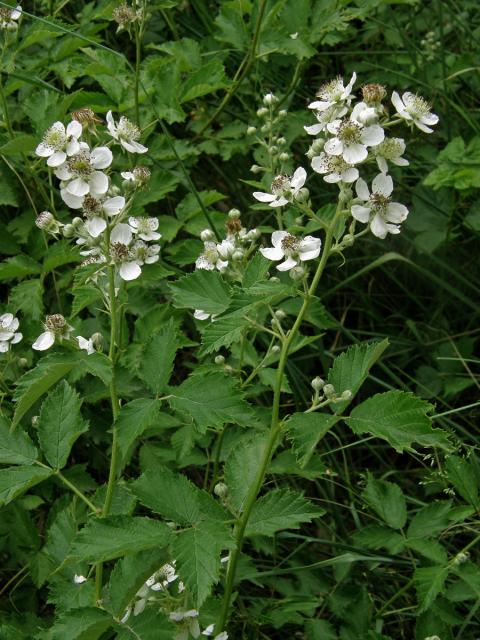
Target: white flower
(81,174)
(390,149)
(334,101)
(145,254)
(199,314)
(85,344)
(351,140)
(189,622)
(284,189)
(210,258)
(145,228)
(292,248)
(334,168)
(364,114)
(79,579)
(383,215)
(126,133)
(120,239)
(209,632)
(416,109)
(58,143)
(226,248)
(55,327)
(96,209)
(8,331)
(9,17)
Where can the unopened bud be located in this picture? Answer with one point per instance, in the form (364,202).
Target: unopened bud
(274,279)
(280,314)
(35,421)
(251,130)
(206,235)
(273,149)
(219,360)
(221,490)
(270,99)
(234,213)
(346,395)
(68,230)
(281,141)
(303,194)
(317,383)
(97,341)
(329,391)
(297,273)
(299,221)
(238,254)
(265,128)
(284,156)
(348,240)
(282,113)
(275,348)
(262,112)
(77,224)
(255,168)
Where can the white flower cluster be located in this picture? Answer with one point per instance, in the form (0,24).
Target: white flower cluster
(8,331)
(9,18)
(104,234)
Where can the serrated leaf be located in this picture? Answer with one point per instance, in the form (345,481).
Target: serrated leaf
(19,144)
(429,583)
(15,448)
(60,423)
(430,520)
(176,498)
(197,552)
(104,539)
(52,368)
(208,78)
(211,401)
(387,500)
(280,509)
(427,548)
(150,625)
(88,623)
(305,430)
(84,296)
(16,480)
(462,475)
(398,417)
(134,418)
(157,358)
(350,369)
(27,297)
(241,468)
(223,333)
(60,253)
(376,537)
(19,267)
(203,290)
(129,574)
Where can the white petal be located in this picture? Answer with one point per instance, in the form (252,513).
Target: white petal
(74,202)
(423,127)
(101,158)
(44,341)
(121,233)
(314,129)
(200,315)
(43,150)
(78,187)
(129,270)
(393,228)
(4,346)
(354,153)
(6,319)
(95,226)
(111,123)
(319,105)
(73,147)
(113,206)
(334,147)
(362,190)
(362,214)
(279,201)
(332,178)
(57,158)
(383,184)
(287,265)
(133,146)
(87,345)
(320,163)
(400,162)
(16,338)
(62,172)
(16,13)
(429,118)
(382,164)
(350,175)
(272,253)
(378,227)
(263,197)
(74,128)
(150,235)
(98,182)
(372,135)
(397,103)
(6,335)
(277,237)
(349,86)
(221,265)
(309,248)
(299,177)
(396,212)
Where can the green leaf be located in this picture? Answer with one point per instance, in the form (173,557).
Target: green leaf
(27,297)
(429,583)
(16,480)
(241,468)
(19,144)
(428,548)
(52,368)
(398,417)
(208,78)
(203,290)
(211,401)
(60,423)
(157,358)
(19,267)
(305,430)
(197,552)
(376,537)
(15,448)
(430,520)
(387,500)
(150,625)
(129,574)
(280,509)
(104,539)
(176,498)
(350,369)
(223,333)
(462,475)
(60,253)
(88,623)
(84,296)
(134,418)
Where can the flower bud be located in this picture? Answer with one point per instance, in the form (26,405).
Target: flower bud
(262,112)
(283,157)
(221,490)
(275,348)
(270,99)
(68,231)
(303,195)
(23,363)
(297,273)
(273,149)
(97,340)
(280,314)
(206,235)
(255,168)
(251,130)
(348,240)
(265,128)
(299,221)
(346,395)
(274,279)
(47,222)
(238,254)
(281,141)
(234,213)
(35,421)
(77,224)
(219,360)
(282,113)
(329,391)
(317,383)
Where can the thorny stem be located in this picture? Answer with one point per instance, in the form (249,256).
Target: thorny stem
(275,425)
(115,410)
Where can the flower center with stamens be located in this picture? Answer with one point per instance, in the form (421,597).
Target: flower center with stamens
(390,148)
(379,203)
(417,107)
(145,225)
(127,129)
(119,252)
(331,91)
(290,244)
(55,322)
(281,185)
(91,206)
(79,164)
(350,132)
(336,164)
(55,138)
(210,252)
(140,250)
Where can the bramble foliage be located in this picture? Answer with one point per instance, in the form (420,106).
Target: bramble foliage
(245,232)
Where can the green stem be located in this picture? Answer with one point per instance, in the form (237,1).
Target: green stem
(138,57)
(5,110)
(275,426)
(77,492)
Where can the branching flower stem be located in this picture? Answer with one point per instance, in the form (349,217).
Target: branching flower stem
(275,424)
